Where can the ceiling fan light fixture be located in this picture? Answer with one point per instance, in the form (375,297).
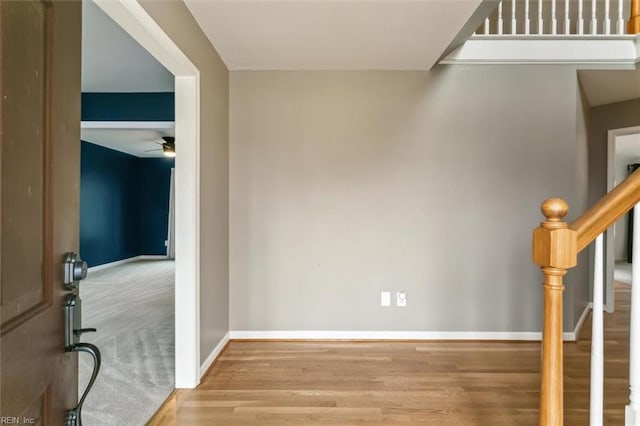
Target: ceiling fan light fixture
(169,150)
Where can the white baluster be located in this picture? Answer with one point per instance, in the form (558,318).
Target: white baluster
(567,21)
(580,17)
(554,20)
(513,16)
(607,20)
(486,26)
(527,20)
(620,23)
(597,338)
(632,411)
(540,21)
(500,18)
(594,21)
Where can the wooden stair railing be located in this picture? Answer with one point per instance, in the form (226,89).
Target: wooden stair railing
(555,249)
(633,26)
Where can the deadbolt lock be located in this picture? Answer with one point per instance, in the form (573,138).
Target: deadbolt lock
(75,269)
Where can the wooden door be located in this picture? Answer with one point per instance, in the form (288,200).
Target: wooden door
(40,167)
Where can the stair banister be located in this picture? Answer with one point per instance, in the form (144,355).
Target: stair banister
(607,211)
(555,249)
(633,27)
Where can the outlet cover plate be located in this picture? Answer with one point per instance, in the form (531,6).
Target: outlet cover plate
(385,298)
(401,299)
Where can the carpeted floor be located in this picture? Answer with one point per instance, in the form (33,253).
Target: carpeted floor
(132,306)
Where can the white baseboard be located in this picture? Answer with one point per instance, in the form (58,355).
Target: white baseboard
(152,257)
(128,260)
(213,355)
(393,335)
(111,264)
(580,322)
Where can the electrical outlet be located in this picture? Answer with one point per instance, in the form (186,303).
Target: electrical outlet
(385,298)
(401,298)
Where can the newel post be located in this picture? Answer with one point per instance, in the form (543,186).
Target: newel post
(633,26)
(554,250)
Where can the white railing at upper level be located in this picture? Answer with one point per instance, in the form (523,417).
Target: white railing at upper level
(601,32)
(558,17)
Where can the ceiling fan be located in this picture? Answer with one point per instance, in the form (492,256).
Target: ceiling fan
(168,146)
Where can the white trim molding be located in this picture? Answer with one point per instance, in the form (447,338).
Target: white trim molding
(153,257)
(112,264)
(581,321)
(392,335)
(215,353)
(548,49)
(127,125)
(135,20)
(127,260)
(610,263)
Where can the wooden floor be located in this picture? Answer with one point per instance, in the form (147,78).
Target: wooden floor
(428,383)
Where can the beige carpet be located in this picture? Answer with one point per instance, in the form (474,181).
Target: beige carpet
(132,306)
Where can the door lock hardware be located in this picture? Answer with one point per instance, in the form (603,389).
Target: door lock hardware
(73,321)
(75,269)
(72,332)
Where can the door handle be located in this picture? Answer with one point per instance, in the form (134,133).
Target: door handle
(74,416)
(72,332)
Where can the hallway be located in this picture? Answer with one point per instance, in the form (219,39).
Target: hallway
(132,307)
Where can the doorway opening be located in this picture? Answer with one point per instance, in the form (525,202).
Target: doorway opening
(184,295)
(132,17)
(126,223)
(623,157)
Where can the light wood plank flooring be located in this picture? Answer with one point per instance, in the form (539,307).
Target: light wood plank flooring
(417,383)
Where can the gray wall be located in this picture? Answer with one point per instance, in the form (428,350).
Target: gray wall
(602,119)
(583,276)
(344,184)
(176,20)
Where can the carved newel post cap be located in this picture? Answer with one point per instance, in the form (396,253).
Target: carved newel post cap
(554,209)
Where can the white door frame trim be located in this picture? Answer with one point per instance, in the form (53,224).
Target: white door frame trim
(132,17)
(611,177)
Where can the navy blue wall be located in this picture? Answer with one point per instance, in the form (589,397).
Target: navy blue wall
(109,218)
(155,180)
(124,204)
(158,106)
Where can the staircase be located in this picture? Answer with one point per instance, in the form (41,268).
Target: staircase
(556,245)
(600,32)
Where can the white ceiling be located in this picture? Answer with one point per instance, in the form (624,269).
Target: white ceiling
(114,62)
(602,87)
(141,139)
(331,34)
(271,34)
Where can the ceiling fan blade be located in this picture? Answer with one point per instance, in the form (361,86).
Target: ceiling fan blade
(151,150)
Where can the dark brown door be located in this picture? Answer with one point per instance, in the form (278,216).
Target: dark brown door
(40,148)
